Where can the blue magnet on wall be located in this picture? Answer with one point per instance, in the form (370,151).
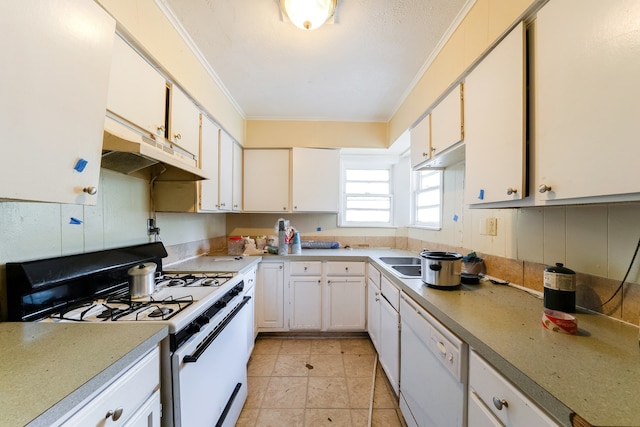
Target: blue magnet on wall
(319,229)
(74,221)
(80,165)
(481,195)
(455,218)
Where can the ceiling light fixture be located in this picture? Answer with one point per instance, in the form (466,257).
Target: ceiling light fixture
(308,14)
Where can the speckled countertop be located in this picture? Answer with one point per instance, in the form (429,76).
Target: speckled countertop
(49,368)
(595,374)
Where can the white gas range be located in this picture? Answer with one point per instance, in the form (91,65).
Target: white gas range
(203,363)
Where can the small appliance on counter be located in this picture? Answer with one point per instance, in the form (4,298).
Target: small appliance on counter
(441,269)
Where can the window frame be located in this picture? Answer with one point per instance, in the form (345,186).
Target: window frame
(365,164)
(415,193)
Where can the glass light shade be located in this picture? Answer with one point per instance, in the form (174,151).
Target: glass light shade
(308,14)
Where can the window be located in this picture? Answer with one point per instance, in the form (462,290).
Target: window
(367,197)
(427,198)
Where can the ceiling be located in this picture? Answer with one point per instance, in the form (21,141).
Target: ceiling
(358,67)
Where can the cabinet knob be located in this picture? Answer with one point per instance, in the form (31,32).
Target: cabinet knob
(160,129)
(425,154)
(177,136)
(284,208)
(511,191)
(499,403)
(90,190)
(114,415)
(223,204)
(433,149)
(377,299)
(543,188)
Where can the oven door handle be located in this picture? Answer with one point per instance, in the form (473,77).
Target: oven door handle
(206,343)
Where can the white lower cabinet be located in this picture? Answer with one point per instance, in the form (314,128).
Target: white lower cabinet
(373,305)
(270,298)
(250,286)
(389,352)
(305,295)
(132,400)
(345,297)
(493,401)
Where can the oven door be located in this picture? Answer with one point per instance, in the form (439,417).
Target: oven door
(209,371)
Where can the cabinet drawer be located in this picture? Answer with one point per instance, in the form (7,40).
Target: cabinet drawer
(127,394)
(345,268)
(313,268)
(373,274)
(390,293)
(504,401)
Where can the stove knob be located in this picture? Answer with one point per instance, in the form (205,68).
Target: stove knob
(220,304)
(194,328)
(202,320)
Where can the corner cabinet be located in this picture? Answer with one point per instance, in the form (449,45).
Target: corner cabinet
(132,400)
(53,104)
(587,62)
(495,117)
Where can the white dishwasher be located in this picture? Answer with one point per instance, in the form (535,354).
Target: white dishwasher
(433,370)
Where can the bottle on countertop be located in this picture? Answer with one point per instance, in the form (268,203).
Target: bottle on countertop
(560,288)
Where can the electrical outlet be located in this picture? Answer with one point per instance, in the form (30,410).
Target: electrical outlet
(492,226)
(152,230)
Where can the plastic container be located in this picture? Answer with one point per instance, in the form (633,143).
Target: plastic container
(235,246)
(296,247)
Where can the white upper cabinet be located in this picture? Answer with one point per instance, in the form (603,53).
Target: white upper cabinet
(587,63)
(446,122)
(185,124)
(315,181)
(495,118)
(266,180)
(56,58)
(236,185)
(420,137)
(137,91)
(208,198)
(225,165)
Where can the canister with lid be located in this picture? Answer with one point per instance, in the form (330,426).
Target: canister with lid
(560,288)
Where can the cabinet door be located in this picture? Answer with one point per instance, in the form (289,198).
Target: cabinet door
(209,165)
(446,122)
(237,178)
(137,91)
(316,180)
(389,352)
(420,137)
(346,304)
(306,303)
(185,123)
(270,295)
(495,117)
(586,109)
(53,80)
(266,181)
(225,194)
(148,415)
(373,313)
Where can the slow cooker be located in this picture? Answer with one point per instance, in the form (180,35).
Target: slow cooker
(441,269)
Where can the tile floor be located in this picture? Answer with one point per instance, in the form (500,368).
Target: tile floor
(317,382)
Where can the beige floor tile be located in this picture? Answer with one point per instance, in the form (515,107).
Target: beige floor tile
(359,392)
(326,365)
(385,418)
(280,418)
(267,346)
(383,396)
(357,346)
(292,365)
(327,417)
(327,392)
(261,365)
(326,346)
(360,417)
(358,365)
(296,346)
(285,392)
(257,387)
(248,417)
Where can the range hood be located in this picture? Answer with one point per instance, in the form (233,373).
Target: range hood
(127,150)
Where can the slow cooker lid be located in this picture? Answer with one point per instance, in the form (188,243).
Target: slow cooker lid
(441,256)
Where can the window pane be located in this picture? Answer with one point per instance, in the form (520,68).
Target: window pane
(431,197)
(429,215)
(429,180)
(367,188)
(368,202)
(367,175)
(367,216)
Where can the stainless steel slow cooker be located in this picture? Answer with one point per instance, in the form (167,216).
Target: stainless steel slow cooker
(441,269)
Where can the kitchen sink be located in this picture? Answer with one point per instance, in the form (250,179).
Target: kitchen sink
(408,270)
(401,260)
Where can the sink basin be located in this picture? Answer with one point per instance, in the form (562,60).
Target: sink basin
(401,260)
(408,270)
